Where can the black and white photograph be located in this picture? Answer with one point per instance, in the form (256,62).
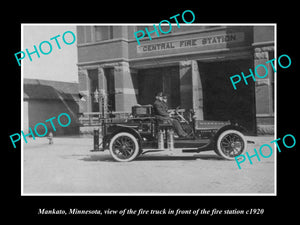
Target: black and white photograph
(113,116)
(145,111)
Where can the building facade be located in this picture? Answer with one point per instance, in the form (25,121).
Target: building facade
(191,64)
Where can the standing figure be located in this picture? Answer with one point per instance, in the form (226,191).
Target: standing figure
(50,138)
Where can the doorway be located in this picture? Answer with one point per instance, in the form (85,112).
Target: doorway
(153,80)
(220,100)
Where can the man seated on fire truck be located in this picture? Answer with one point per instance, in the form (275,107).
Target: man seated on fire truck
(161,113)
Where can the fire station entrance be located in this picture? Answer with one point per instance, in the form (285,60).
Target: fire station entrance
(220,100)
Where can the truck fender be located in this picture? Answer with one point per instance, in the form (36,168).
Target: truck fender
(121,128)
(229,127)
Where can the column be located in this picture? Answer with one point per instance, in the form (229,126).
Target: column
(102,86)
(186,84)
(197,91)
(84,106)
(264,91)
(191,94)
(263,86)
(125,87)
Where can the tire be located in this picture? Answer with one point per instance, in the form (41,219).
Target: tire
(230,143)
(124,147)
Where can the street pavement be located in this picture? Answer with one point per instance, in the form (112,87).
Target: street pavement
(68,167)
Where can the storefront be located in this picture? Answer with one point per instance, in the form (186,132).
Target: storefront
(191,65)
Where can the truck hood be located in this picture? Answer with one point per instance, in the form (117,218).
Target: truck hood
(210,124)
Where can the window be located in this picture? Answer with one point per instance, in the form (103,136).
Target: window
(103,33)
(164,27)
(139,34)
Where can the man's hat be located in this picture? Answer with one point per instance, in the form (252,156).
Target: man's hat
(159,94)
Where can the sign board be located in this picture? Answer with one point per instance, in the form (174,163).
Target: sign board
(192,42)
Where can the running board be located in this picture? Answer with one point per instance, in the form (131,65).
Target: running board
(173,150)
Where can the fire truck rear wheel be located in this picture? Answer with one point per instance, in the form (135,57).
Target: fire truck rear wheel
(124,147)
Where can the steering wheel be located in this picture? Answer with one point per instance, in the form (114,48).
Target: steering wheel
(179,115)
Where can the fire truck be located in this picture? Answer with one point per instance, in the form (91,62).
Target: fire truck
(140,133)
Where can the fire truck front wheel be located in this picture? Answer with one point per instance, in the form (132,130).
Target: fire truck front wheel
(124,147)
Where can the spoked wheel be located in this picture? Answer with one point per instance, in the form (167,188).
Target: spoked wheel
(124,147)
(230,144)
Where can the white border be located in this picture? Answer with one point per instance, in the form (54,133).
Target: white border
(156,194)
(22,104)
